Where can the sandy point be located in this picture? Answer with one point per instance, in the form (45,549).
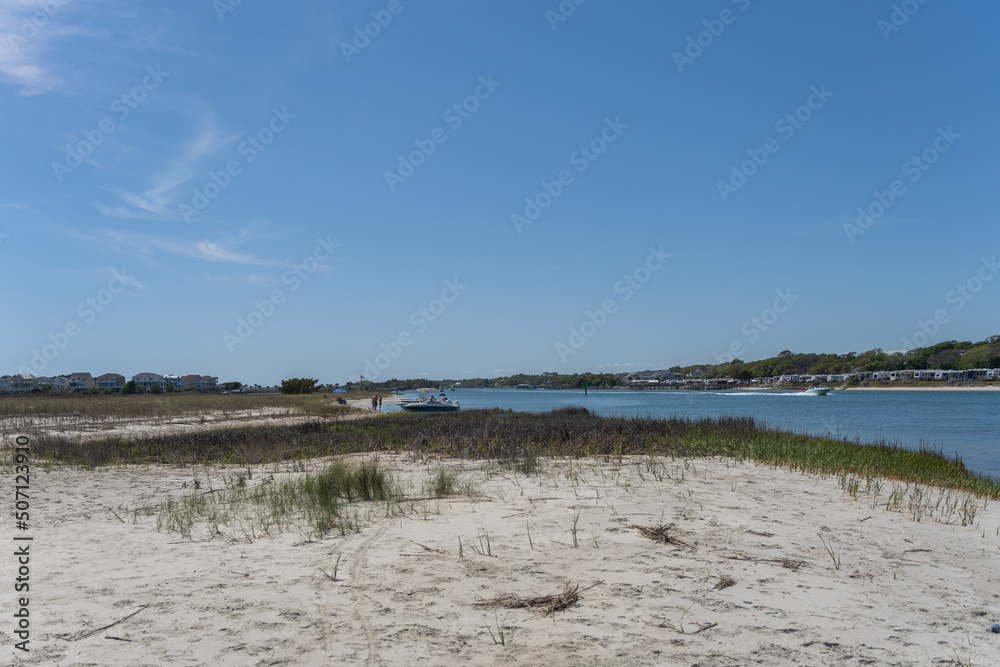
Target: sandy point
(763,566)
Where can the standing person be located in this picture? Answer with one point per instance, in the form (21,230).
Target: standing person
(380,403)
(374,402)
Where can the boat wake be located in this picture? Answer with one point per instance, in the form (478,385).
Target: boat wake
(759,393)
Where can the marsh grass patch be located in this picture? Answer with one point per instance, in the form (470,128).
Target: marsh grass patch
(523,440)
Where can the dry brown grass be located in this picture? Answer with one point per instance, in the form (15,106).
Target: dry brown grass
(543,605)
(660,533)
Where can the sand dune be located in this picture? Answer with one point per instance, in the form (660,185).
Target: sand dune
(906,593)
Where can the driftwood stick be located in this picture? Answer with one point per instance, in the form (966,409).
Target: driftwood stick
(84,635)
(429,548)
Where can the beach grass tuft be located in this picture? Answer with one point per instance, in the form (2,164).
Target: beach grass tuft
(316,503)
(442,484)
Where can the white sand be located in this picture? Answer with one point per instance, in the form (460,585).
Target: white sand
(907,593)
(83,429)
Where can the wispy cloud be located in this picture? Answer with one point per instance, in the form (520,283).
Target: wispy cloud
(26,29)
(156,200)
(218,251)
(161,199)
(33,34)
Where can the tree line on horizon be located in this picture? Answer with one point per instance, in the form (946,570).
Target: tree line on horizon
(948,355)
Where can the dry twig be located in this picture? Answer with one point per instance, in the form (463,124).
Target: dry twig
(426,548)
(83,634)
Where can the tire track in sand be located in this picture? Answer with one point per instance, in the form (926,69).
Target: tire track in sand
(360,562)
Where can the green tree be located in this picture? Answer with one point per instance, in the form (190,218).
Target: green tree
(298,386)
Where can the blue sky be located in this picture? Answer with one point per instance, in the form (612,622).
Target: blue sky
(261,190)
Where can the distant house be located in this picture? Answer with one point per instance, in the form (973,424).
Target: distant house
(58,383)
(148,382)
(199,383)
(81,381)
(22,383)
(956,376)
(174,382)
(109,381)
(207,383)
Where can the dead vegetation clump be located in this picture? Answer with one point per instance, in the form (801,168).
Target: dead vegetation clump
(725,581)
(660,533)
(543,605)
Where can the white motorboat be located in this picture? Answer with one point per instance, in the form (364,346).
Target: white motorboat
(817,391)
(429,400)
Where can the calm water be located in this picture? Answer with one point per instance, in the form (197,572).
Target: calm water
(966,423)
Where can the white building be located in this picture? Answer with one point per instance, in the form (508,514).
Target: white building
(110,382)
(22,383)
(81,381)
(58,383)
(149,382)
(207,383)
(174,382)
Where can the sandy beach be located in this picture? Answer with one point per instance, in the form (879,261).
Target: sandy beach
(769,567)
(96,429)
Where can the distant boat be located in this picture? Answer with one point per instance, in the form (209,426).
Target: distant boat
(817,391)
(427,401)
